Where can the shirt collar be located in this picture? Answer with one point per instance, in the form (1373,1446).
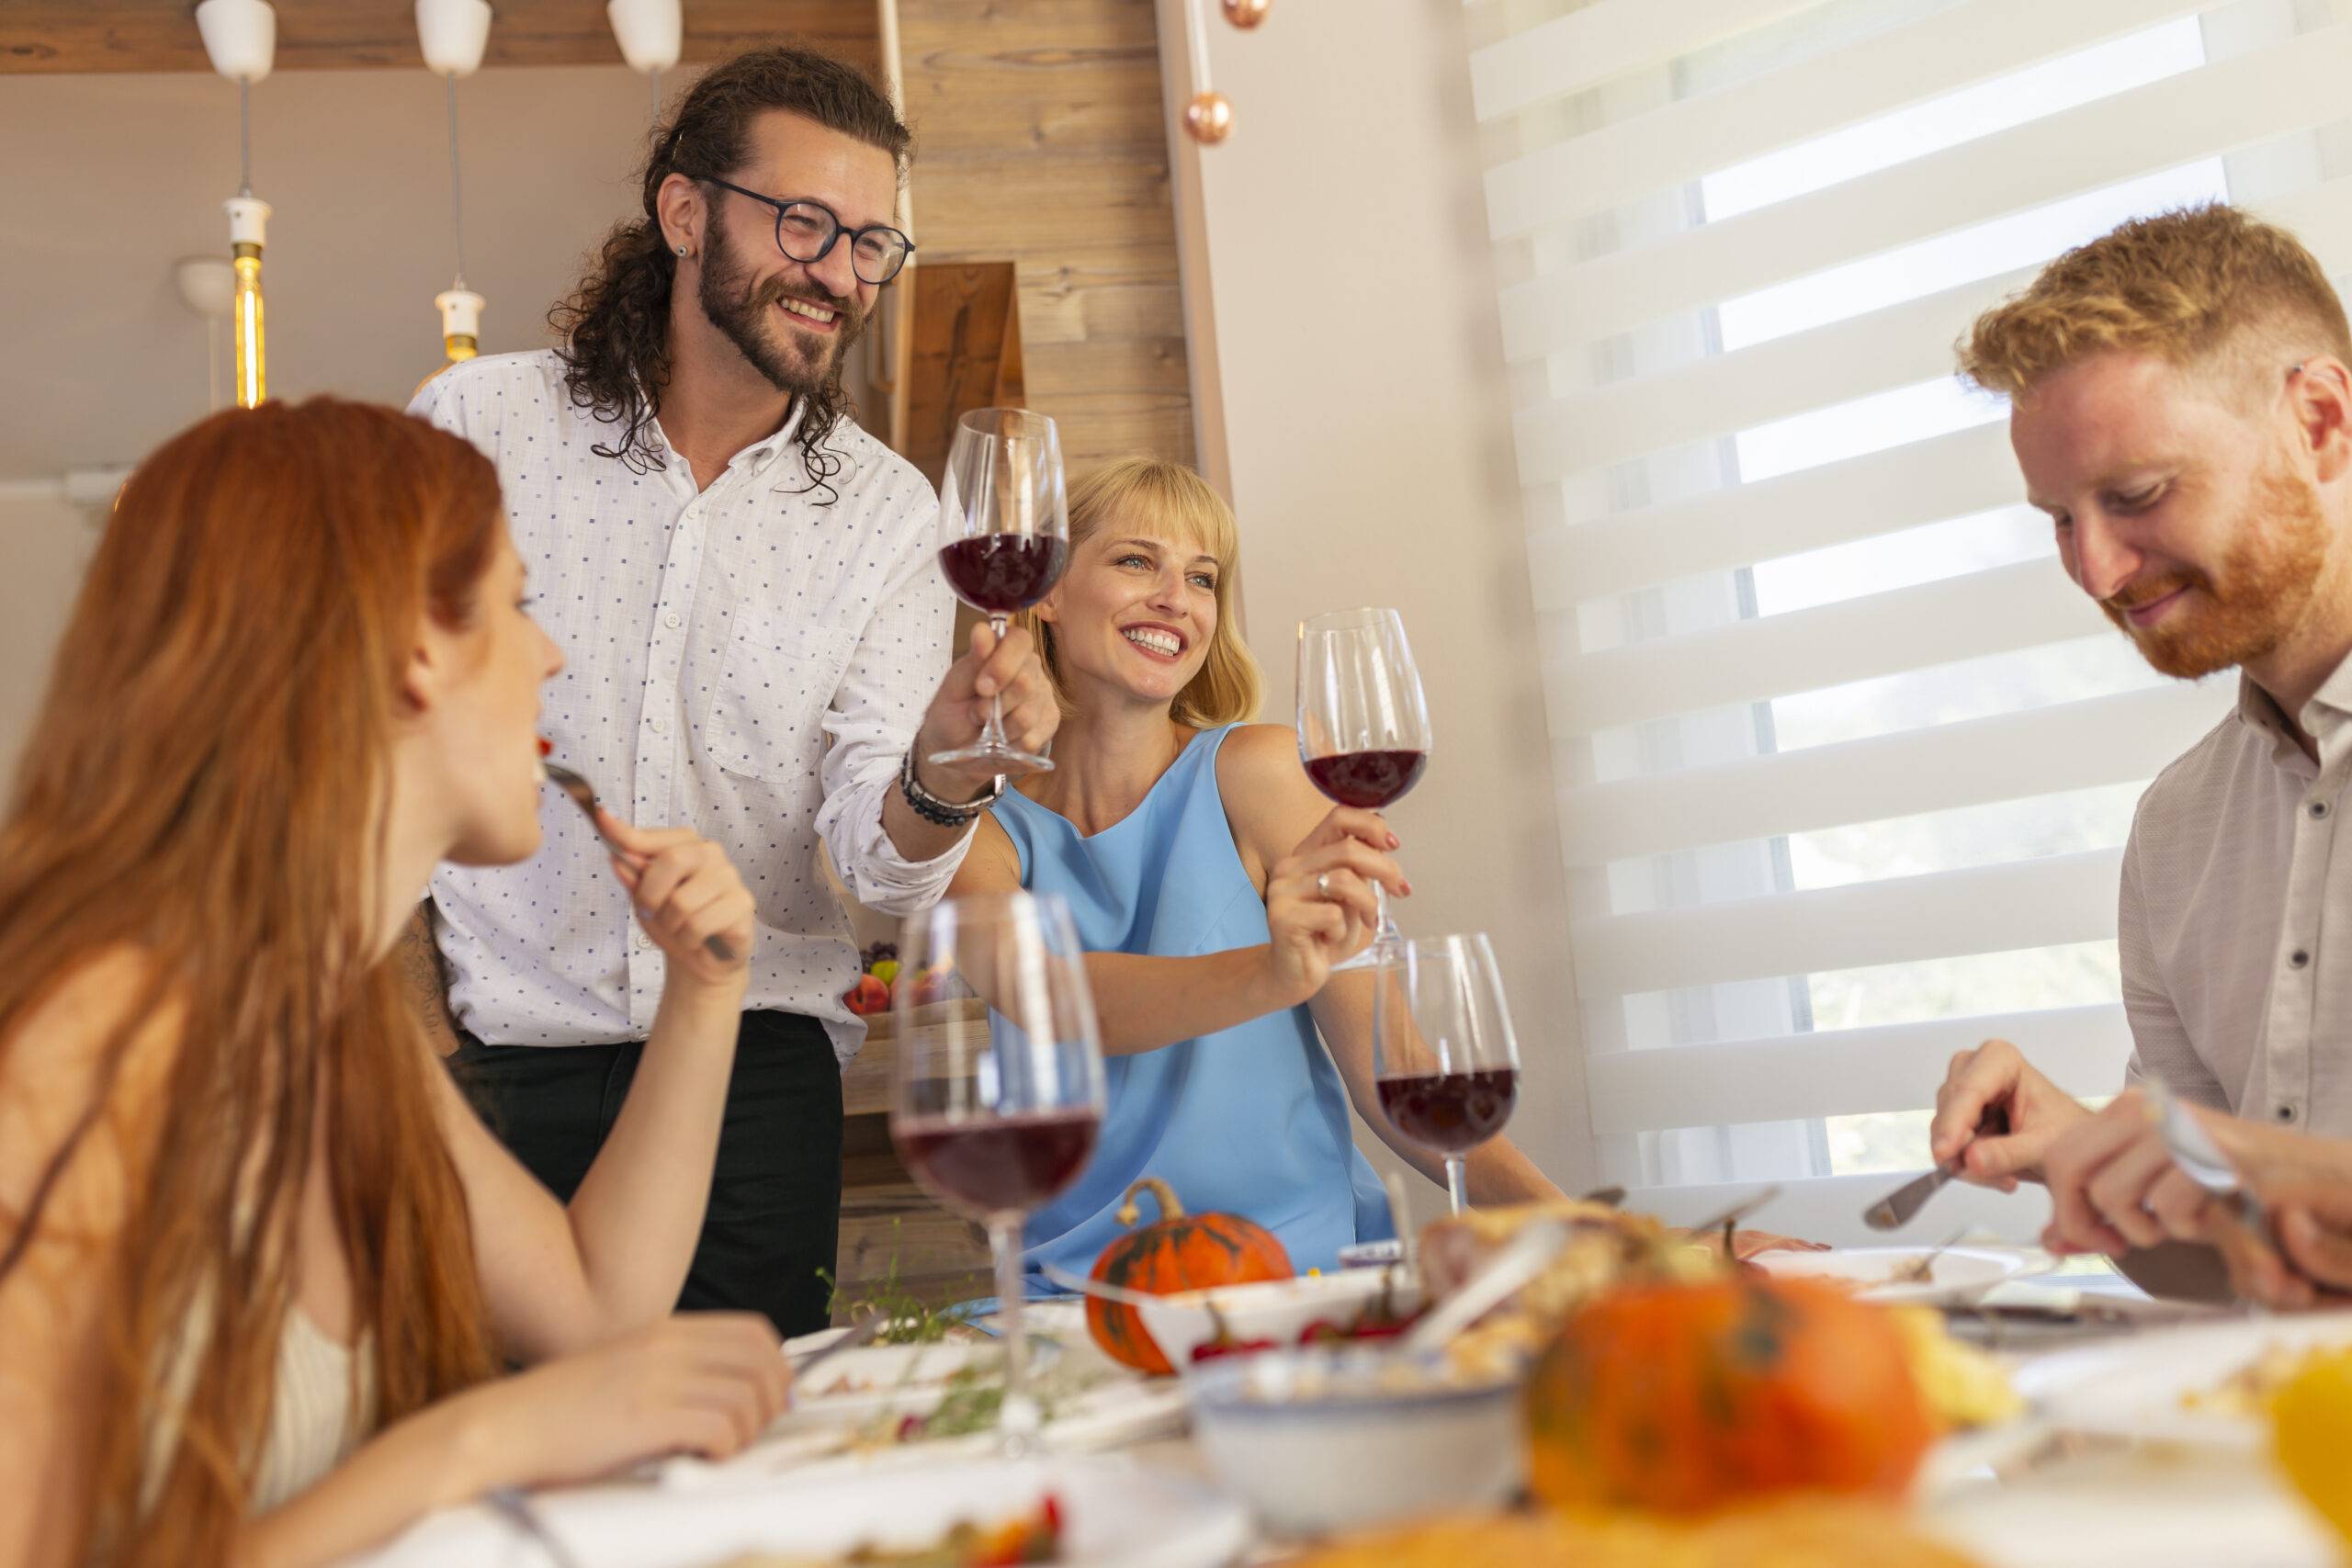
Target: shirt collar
(760,452)
(2321,718)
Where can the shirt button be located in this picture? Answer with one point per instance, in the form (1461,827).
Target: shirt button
(673,620)
(643,940)
(2299,958)
(655,723)
(2286,1113)
(2317,809)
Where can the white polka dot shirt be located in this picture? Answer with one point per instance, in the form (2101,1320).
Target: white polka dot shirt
(743,660)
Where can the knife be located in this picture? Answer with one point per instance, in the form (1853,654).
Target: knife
(2197,1156)
(1897,1208)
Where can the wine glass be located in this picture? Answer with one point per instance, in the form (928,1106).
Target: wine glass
(1444,1059)
(999,1087)
(1364,725)
(1003,540)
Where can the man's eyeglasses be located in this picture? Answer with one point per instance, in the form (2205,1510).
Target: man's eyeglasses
(805,231)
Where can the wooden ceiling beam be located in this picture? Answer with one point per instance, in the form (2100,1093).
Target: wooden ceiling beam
(327,35)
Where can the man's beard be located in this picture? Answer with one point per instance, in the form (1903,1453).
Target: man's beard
(748,316)
(2266,585)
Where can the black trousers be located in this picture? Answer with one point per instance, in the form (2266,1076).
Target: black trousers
(775,1197)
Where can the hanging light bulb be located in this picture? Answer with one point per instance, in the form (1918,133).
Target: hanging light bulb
(240,37)
(248,217)
(1208,116)
(453,34)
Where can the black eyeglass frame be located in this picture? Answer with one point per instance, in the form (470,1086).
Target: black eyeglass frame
(840,228)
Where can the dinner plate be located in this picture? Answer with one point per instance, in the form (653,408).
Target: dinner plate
(1959,1275)
(872,1379)
(2149,1386)
(1115,1515)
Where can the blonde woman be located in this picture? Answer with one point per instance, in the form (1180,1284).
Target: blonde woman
(1213,889)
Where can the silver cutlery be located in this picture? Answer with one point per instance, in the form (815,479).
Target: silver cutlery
(2197,1156)
(1897,1208)
(1607,1196)
(514,1504)
(583,796)
(860,1333)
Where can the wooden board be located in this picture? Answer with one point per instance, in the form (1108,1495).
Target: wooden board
(967,354)
(160,35)
(1039,138)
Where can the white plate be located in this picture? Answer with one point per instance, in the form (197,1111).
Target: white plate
(871,1379)
(2135,1387)
(1961,1274)
(1279,1310)
(1114,1515)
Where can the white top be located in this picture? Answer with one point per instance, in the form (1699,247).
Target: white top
(2237,919)
(322,1405)
(745,660)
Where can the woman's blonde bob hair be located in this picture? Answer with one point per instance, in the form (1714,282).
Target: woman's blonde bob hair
(1171,498)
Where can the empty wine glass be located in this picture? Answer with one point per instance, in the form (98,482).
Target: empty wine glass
(1363,725)
(998,1093)
(1444,1057)
(1003,540)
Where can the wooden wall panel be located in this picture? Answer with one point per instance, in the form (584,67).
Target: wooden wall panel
(160,35)
(1039,140)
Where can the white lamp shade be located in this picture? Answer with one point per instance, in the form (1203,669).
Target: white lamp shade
(650,33)
(453,34)
(461,313)
(208,285)
(240,37)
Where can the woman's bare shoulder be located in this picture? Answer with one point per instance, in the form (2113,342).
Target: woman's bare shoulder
(53,1066)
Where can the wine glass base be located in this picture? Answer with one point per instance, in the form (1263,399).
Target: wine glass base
(1003,759)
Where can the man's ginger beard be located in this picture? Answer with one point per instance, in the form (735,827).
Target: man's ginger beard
(2268,581)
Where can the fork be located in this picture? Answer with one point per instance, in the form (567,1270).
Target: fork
(583,796)
(514,1504)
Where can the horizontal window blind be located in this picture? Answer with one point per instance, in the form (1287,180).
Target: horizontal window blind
(1737,240)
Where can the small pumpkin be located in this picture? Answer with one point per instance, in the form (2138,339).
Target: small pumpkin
(1683,1398)
(1178,1252)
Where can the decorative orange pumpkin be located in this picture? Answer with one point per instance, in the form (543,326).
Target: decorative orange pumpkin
(1686,1397)
(1179,1252)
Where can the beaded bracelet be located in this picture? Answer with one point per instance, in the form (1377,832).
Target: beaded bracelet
(945,813)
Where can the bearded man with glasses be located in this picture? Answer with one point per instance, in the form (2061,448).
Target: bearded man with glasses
(761,648)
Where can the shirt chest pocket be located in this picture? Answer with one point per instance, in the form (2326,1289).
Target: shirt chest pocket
(767,712)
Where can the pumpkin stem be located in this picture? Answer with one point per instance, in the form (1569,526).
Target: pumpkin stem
(1170,1209)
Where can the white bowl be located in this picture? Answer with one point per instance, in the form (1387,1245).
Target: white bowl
(1279,1310)
(1317,1440)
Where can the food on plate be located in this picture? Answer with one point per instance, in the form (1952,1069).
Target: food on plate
(2310,1429)
(1689,1397)
(1802,1532)
(2247,1391)
(1177,1252)
(1606,1248)
(1963,1385)
(1032,1537)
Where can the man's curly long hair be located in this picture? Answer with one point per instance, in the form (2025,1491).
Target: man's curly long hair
(615,327)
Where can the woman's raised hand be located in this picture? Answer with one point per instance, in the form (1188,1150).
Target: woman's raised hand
(1319,906)
(686,891)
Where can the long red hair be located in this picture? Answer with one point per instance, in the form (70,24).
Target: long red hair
(201,789)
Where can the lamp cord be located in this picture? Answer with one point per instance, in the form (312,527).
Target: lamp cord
(456,200)
(245,136)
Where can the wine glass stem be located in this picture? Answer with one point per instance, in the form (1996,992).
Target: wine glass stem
(993,736)
(1019,1417)
(1455,1184)
(1385,934)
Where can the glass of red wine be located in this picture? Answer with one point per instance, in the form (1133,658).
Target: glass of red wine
(1444,1059)
(1003,540)
(999,1087)
(1364,725)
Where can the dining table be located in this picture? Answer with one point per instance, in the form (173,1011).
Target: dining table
(2066,1485)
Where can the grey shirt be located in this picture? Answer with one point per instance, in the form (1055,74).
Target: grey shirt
(2236,926)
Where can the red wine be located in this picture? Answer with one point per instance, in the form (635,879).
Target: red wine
(1367,779)
(999,573)
(998,1166)
(1451,1112)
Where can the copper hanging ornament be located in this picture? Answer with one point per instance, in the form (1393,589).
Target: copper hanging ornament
(1247,14)
(1208,119)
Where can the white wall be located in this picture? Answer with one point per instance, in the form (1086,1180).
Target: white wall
(1354,385)
(45,545)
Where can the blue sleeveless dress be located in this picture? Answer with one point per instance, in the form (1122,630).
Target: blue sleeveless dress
(1251,1120)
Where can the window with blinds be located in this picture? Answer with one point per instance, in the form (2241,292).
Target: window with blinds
(1848,762)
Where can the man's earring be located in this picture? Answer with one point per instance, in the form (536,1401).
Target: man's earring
(681,250)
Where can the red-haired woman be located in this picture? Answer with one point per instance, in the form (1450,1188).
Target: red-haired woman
(260,1266)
